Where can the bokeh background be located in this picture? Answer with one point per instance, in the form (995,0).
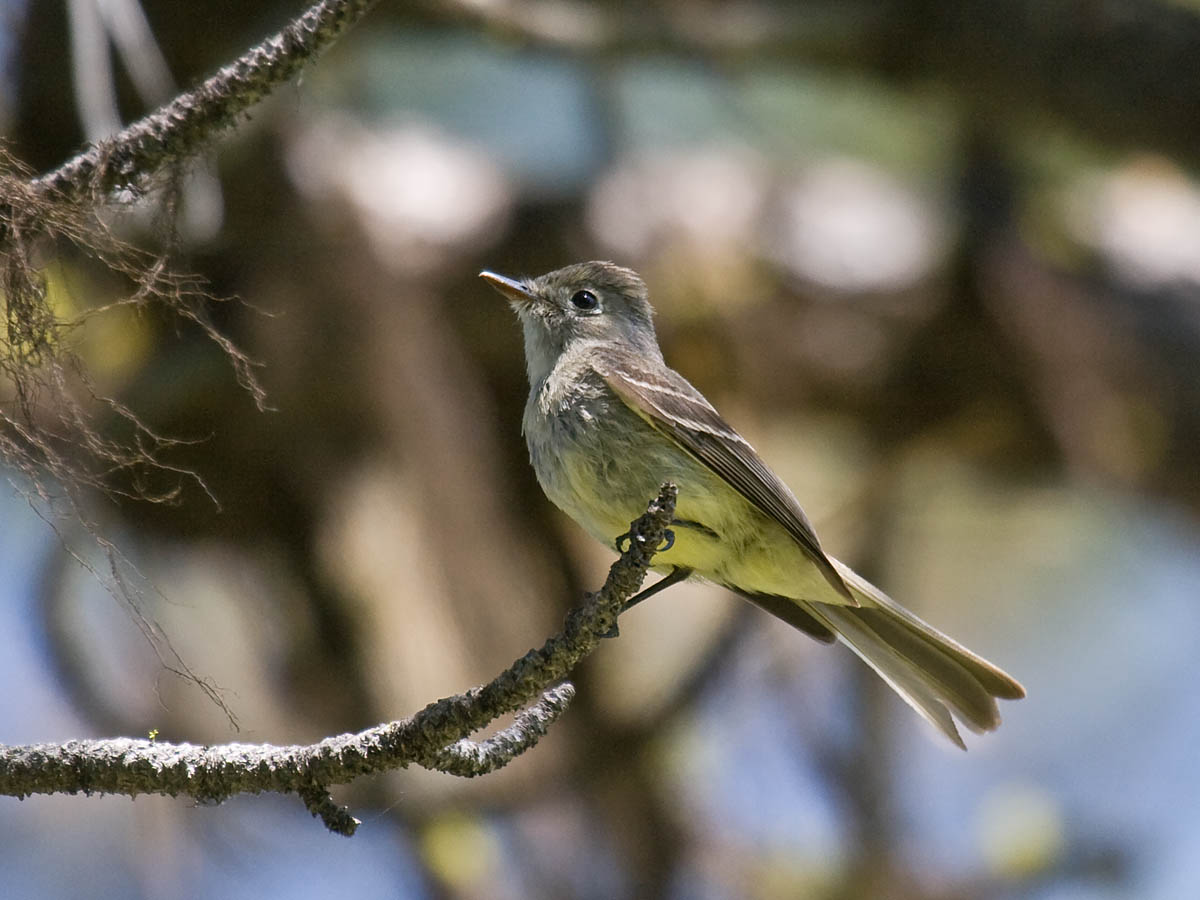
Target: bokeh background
(939,262)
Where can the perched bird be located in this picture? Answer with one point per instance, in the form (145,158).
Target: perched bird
(607,422)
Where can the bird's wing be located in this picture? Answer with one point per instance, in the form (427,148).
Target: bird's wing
(668,402)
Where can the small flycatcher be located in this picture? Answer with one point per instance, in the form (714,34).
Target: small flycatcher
(607,422)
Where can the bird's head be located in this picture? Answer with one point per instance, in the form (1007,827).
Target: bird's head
(585,303)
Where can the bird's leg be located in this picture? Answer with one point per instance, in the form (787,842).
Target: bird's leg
(678,574)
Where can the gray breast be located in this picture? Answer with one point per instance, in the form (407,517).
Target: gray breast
(562,419)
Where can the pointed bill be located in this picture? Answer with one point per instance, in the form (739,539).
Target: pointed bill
(515,291)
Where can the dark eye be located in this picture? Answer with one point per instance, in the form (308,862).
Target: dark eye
(584,300)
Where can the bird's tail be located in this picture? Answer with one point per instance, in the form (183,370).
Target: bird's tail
(934,674)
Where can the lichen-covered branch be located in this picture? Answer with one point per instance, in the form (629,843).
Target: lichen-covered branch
(435,737)
(470,758)
(178,130)
(49,434)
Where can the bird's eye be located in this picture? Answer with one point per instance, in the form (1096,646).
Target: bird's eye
(584,300)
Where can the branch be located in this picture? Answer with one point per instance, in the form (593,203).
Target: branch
(178,130)
(468,759)
(434,738)
(49,436)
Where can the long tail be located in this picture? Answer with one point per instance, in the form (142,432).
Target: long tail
(934,674)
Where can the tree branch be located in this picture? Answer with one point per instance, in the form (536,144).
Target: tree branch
(177,131)
(434,738)
(468,759)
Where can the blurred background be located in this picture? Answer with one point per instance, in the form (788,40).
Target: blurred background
(939,263)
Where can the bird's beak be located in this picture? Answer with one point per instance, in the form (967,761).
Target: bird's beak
(510,288)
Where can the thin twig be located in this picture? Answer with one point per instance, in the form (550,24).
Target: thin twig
(178,130)
(468,758)
(433,737)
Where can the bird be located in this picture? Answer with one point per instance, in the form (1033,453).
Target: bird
(607,422)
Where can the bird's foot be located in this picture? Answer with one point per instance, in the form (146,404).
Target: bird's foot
(623,542)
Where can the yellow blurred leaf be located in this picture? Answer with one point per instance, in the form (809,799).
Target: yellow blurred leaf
(1021,830)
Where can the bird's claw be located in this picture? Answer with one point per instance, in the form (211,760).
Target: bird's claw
(623,541)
